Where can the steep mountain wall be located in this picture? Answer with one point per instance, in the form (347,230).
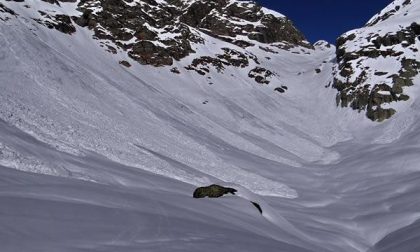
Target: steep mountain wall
(377,63)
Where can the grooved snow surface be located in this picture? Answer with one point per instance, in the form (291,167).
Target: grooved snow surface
(98,157)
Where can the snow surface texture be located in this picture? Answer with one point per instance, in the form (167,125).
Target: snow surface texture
(95,156)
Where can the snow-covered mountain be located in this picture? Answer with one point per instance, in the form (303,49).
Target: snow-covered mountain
(377,63)
(113,112)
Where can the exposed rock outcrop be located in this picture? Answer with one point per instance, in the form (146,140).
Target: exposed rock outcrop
(59,22)
(231,20)
(281,89)
(375,64)
(4,9)
(213,191)
(230,57)
(160,32)
(261,75)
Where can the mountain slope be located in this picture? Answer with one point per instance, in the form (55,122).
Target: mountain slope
(377,63)
(109,155)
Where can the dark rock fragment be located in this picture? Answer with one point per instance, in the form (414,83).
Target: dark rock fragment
(256,205)
(213,191)
(125,63)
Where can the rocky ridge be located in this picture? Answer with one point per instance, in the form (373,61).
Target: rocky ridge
(376,64)
(160,33)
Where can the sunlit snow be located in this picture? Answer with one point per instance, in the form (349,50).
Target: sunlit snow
(95,156)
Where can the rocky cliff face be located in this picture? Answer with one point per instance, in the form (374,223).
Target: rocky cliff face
(377,63)
(159,32)
(192,35)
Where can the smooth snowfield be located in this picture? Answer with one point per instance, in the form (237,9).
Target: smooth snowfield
(98,157)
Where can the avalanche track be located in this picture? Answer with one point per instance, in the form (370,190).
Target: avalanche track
(95,156)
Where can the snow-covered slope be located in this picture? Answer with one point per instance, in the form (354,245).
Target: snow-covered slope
(377,63)
(98,156)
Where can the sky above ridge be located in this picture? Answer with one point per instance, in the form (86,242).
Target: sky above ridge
(326,19)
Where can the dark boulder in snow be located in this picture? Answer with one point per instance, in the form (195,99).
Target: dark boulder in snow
(125,63)
(213,191)
(279,89)
(256,205)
